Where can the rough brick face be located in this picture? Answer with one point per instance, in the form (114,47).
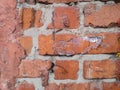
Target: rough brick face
(65,17)
(26,43)
(68,86)
(38,15)
(99,69)
(33,68)
(46,45)
(111,86)
(65,70)
(69,44)
(107,16)
(25,86)
(27,17)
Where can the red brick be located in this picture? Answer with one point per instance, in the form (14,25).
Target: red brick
(119,22)
(99,69)
(25,86)
(26,43)
(46,45)
(96,85)
(33,68)
(69,44)
(117,72)
(27,17)
(106,16)
(65,17)
(38,15)
(10,56)
(111,86)
(74,86)
(68,86)
(66,69)
(52,86)
(61,1)
(89,9)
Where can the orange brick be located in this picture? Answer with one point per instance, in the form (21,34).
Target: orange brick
(68,86)
(74,86)
(99,69)
(110,43)
(27,17)
(66,69)
(106,16)
(69,44)
(38,15)
(46,45)
(111,86)
(52,86)
(65,17)
(26,43)
(25,86)
(32,68)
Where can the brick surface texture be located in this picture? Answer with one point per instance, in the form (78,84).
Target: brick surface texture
(59,44)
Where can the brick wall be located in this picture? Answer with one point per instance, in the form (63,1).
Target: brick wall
(59,45)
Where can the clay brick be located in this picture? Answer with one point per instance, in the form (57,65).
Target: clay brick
(119,22)
(69,44)
(106,16)
(68,86)
(74,86)
(46,45)
(33,68)
(99,69)
(52,86)
(96,85)
(25,86)
(65,17)
(89,9)
(60,1)
(27,17)
(117,72)
(38,15)
(111,86)
(65,70)
(26,43)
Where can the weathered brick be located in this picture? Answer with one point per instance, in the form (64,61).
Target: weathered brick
(68,86)
(27,17)
(10,56)
(52,86)
(60,1)
(106,16)
(74,86)
(33,68)
(99,69)
(117,72)
(65,17)
(69,44)
(38,15)
(46,45)
(65,70)
(111,86)
(26,43)
(89,9)
(25,86)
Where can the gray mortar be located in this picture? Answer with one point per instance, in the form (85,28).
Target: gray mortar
(46,19)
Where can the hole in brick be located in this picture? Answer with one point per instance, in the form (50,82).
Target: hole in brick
(52,67)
